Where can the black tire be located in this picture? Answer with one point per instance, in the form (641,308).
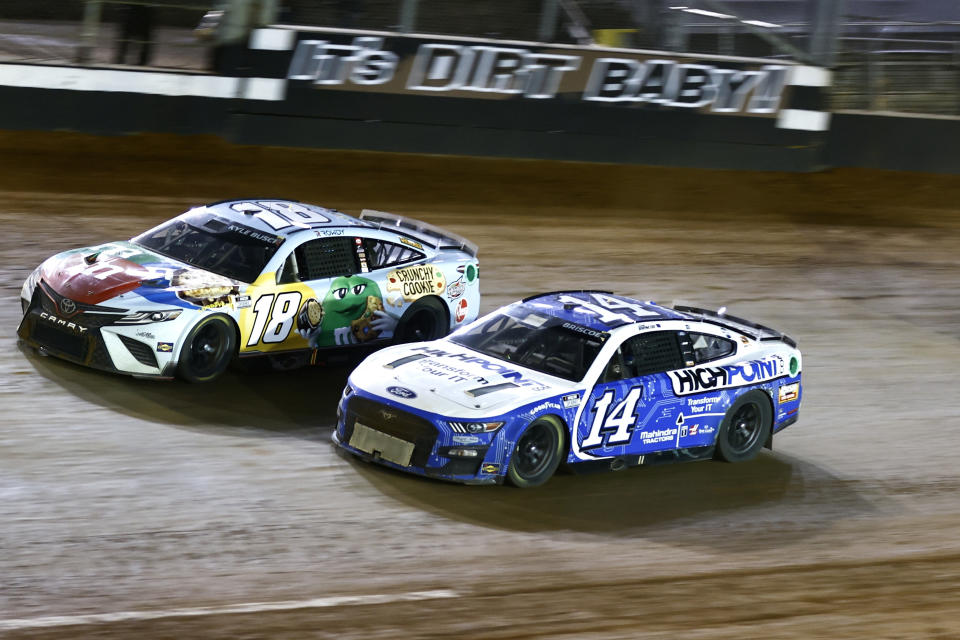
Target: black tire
(208,349)
(745,428)
(425,320)
(537,454)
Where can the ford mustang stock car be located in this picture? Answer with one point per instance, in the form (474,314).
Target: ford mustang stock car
(586,378)
(245,278)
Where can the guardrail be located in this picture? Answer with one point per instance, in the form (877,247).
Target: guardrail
(874,73)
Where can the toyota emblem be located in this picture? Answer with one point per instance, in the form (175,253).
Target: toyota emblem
(68,306)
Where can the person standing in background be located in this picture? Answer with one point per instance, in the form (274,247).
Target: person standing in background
(232,34)
(136,30)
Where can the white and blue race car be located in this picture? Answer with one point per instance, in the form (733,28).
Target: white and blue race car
(585,378)
(290,281)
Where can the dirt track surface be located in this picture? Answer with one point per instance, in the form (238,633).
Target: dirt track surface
(158,508)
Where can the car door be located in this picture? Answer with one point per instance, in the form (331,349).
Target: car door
(700,406)
(624,413)
(313,301)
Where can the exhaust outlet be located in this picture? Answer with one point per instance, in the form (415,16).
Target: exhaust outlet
(618,464)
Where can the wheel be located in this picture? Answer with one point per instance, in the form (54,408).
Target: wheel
(425,320)
(537,454)
(745,427)
(207,350)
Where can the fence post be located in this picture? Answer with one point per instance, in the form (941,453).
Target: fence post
(825,26)
(408,15)
(88,32)
(873,76)
(548,20)
(956,70)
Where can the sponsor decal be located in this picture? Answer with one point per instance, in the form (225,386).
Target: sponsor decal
(794,365)
(455,288)
(146,334)
(165,347)
(243,302)
(440,369)
(701,379)
(416,282)
(571,400)
(490,467)
(326,233)
(543,406)
(658,435)
(789,392)
(702,405)
(459,439)
(503,370)
(411,243)
(460,314)
(469,271)
(462,70)
(401,392)
(693,430)
(204,289)
(65,324)
(351,312)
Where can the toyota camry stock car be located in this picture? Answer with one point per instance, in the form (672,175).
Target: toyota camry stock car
(249,277)
(585,378)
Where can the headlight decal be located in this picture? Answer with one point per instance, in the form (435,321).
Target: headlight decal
(147,317)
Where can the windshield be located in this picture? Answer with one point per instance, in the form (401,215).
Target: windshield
(537,341)
(214,244)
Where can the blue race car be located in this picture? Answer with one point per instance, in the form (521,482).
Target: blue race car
(585,378)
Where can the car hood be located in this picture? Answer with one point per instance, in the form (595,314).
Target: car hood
(448,379)
(125,271)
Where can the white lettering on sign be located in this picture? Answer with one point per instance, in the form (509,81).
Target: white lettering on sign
(442,67)
(685,85)
(449,67)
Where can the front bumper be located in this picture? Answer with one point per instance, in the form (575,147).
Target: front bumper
(415,441)
(87,337)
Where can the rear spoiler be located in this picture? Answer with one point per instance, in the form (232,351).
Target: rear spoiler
(720,318)
(424,232)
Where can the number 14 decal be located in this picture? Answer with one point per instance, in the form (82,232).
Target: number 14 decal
(618,425)
(280,321)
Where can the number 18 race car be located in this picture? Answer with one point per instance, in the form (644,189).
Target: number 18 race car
(585,378)
(248,278)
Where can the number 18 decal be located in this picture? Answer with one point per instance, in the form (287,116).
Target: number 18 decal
(274,326)
(618,425)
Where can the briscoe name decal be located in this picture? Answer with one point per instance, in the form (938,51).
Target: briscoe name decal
(701,379)
(483,68)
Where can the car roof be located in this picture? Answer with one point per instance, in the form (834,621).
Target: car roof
(579,307)
(245,211)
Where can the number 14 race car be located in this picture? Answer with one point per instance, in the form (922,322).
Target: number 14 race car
(585,378)
(249,277)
